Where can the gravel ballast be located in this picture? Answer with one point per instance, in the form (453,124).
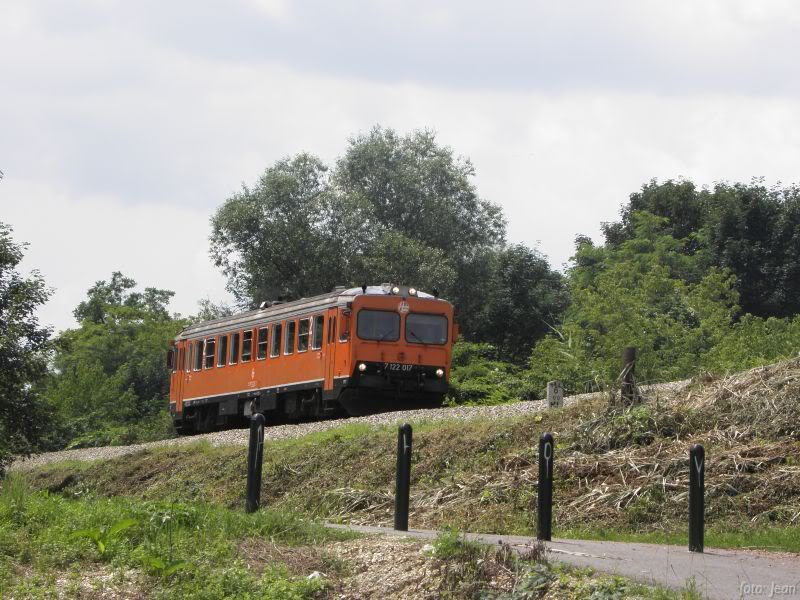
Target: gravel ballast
(240,437)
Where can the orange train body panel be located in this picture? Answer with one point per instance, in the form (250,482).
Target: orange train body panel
(355,349)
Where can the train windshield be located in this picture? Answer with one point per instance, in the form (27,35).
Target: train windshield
(380,325)
(426,329)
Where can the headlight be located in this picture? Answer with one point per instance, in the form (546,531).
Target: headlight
(412,291)
(362,367)
(395,290)
(440,373)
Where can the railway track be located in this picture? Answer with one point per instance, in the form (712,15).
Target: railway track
(239,437)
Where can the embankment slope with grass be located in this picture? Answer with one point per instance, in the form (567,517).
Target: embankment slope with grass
(620,474)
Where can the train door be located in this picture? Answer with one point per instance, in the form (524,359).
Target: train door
(329,354)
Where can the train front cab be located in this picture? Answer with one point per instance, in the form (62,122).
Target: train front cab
(400,351)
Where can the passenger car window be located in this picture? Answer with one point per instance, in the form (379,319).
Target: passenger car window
(319,326)
(303,333)
(275,348)
(211,345)
(235,348)
(247,345)
(262,343)
(222,355)
(288,346)
(198,355)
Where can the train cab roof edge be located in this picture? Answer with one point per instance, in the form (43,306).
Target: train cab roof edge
(339,296)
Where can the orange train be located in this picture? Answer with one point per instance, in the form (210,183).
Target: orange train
(356,350)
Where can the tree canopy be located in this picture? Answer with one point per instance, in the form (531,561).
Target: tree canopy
(394,208)
(110,371)
(23,353)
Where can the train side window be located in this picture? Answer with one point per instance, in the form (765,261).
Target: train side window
(318,331)
(181,358)
(189,356)
(247,345)
(303,333)
(262,343)
(275,348)
(198,355)
(222,354)
(211,346)
(288,346)
(235,348)
(344,329)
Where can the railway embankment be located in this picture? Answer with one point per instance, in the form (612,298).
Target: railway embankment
(620,474)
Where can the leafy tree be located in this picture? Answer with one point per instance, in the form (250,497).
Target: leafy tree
(395,208)
(23,347)
(636,294)
(749,229)
(110,371)
(523,299)
(278,238)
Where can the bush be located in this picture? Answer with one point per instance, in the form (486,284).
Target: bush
(478,378)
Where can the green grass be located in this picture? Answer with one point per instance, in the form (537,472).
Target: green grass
(783,538)
(186,550)
(484,474)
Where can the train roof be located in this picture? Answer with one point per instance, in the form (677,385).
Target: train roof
(339,296)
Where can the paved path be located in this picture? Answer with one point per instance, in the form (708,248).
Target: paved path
(719,574)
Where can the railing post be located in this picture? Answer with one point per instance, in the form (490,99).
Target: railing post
(545,495)
(629,392)
(403,480)
(697,471)
(255,458)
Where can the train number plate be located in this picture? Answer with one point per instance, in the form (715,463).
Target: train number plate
(400,367)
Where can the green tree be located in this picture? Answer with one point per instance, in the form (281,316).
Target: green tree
(641,292)
(749,229)
(23,348)
(523,300)
(395,208)
(110,371)
(279,238)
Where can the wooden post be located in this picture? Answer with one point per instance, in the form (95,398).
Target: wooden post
(630,394)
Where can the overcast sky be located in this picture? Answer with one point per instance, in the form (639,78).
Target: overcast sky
(125,124)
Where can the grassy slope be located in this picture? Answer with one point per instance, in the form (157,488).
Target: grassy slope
(619,475)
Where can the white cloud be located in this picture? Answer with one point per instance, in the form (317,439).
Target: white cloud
(117,144)
(74,242)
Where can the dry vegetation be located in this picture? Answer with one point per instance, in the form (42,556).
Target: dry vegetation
(619,472)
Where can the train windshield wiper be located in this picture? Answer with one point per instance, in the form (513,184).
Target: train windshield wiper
(414,334)
(382,336)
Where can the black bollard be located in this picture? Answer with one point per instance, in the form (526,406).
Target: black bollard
(544,526)
(255,458)
(697,471)
(403,481)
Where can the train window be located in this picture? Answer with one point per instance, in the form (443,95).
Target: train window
(262,343)
(235,348)
(288,346)
(344,329)
(379,325)
(331,329)
(319,326)
(180,358)
(275,349)
(247,345)
(303,332)
(172,359)
(198,355)
(211,346)
(426,329)
(222,354)
(189,357)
